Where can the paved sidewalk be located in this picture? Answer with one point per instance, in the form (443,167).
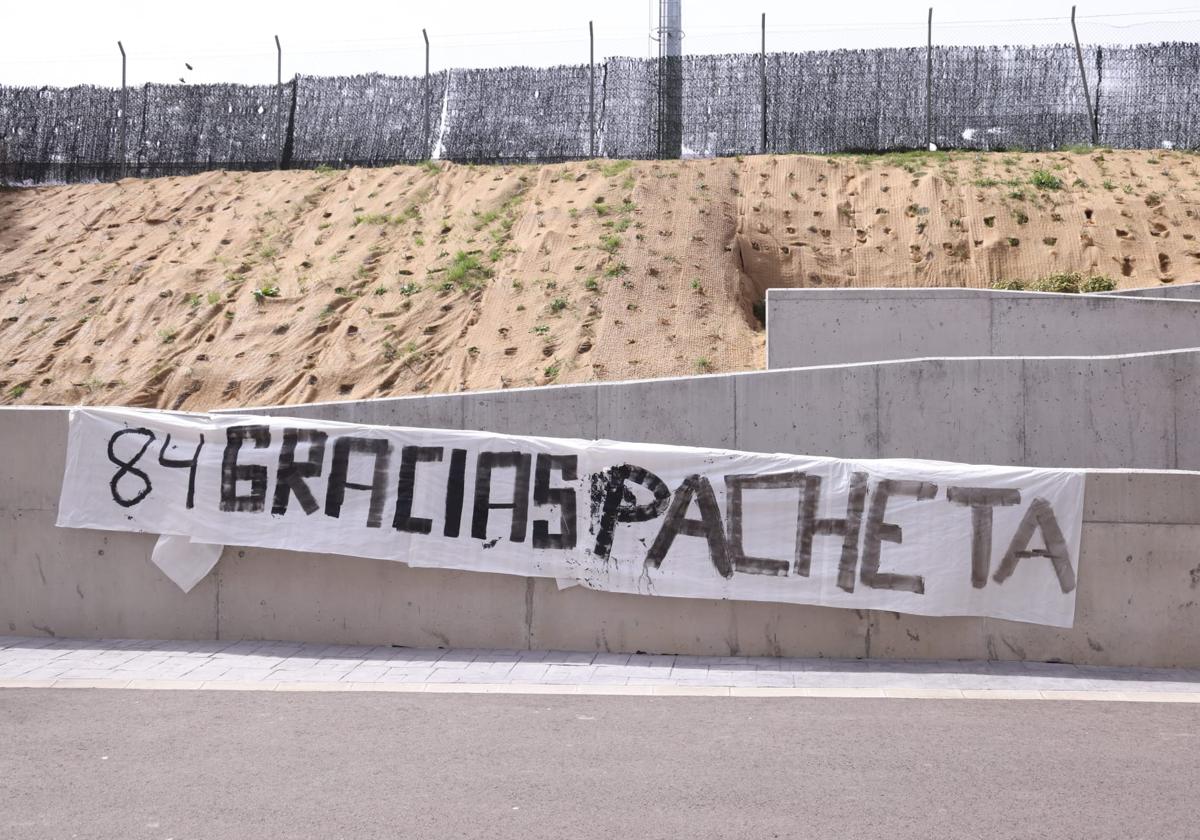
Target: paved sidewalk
(290,666)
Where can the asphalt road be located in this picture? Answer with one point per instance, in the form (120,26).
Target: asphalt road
(191,764)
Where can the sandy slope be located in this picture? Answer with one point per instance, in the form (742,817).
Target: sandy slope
(414,279)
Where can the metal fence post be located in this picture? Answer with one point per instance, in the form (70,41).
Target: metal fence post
(929,80)
(425,97)
(278,102)
(1087,97)
(762,79)
(124,108)
(591,91)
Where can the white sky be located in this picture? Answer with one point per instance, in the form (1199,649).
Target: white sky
(227,41)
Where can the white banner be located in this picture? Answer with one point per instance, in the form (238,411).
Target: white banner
(924,537)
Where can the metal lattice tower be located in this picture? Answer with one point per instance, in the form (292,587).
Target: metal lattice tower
(669,35)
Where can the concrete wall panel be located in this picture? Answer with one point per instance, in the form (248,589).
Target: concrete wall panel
(817,411)
(1135,411)
(1174,291)
(1120,496)
(440,411)
(93,584)
(967,410)
(836,326)
(839,326)
(1077,325)
(569,411)
(1186,394)
(692,411)
(584,619)
(1101,412)
(32,466)
(356,600)
(1132,608)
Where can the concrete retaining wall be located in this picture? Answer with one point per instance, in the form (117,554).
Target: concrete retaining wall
(1174,291)
(832,326)
(1136,411)
(1137,601)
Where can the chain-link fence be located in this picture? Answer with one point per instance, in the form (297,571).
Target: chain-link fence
(979,97)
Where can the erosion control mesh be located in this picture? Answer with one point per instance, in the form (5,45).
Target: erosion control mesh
(1144,96)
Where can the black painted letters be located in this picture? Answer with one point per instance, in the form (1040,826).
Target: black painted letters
(232,472)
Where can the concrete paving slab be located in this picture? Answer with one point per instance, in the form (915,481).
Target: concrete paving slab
(325,669)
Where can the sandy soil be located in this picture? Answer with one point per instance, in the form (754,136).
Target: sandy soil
(227,289)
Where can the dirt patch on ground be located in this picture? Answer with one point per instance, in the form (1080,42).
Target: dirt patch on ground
(227,289)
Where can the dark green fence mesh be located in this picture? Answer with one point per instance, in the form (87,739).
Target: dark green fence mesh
(1144,96)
